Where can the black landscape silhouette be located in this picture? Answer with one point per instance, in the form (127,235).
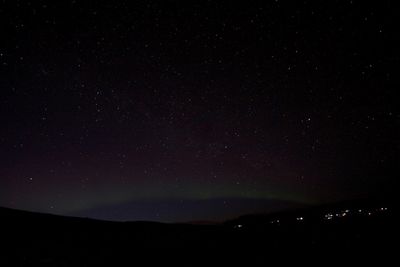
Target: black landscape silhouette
(352,228)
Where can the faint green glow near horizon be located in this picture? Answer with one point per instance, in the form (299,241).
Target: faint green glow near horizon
(107,194)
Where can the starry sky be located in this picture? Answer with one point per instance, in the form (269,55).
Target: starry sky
(178,111)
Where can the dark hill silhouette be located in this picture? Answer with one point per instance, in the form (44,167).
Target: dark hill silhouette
(184,210)
(34,239)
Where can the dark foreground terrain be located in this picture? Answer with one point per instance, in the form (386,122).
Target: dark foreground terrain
(359,230)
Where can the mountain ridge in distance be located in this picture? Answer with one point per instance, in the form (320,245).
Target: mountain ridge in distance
(46,240)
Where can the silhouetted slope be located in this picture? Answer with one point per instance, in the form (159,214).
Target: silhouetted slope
(47,240)
(183,210)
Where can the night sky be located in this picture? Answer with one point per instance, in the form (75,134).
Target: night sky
(178,111)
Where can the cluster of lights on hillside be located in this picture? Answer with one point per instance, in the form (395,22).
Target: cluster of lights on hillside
(334,215)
